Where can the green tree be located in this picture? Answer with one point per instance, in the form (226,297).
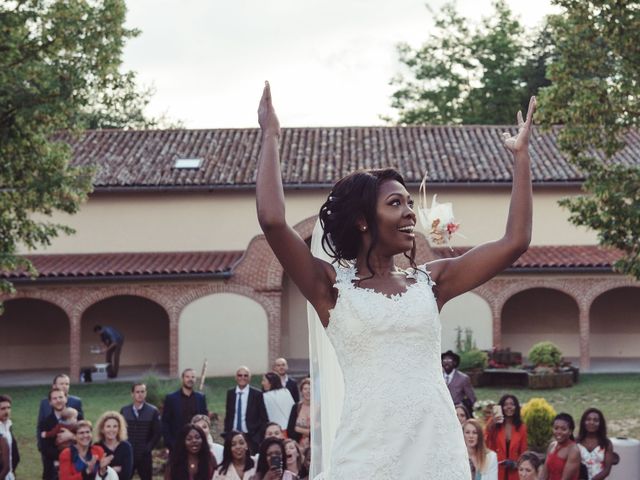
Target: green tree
(469,74)
(57,58)
(595,96)
(440,73)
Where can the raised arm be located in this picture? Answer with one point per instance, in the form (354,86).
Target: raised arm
(312,276)
(459,275)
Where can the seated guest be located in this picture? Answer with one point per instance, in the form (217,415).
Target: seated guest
(596,450)
(277,399)
(463,413)
(68,421)
(299,426)
(237,463)
(563,455)
(528,466)
(204,423)
(83,461)
(190,459)
(112,435)
(271,461)
(293,462)
(245,410)
(273,430)
(506,434)
(484,462)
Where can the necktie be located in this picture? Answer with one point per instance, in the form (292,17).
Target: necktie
(239,413)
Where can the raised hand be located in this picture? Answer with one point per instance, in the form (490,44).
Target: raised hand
(520,142)
(267,117)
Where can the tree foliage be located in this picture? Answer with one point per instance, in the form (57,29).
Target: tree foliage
(470,74)
(59,63)
(595,96)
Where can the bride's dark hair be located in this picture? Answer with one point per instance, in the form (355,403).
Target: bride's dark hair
(353,198)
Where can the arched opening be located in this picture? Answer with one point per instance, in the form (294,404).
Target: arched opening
(615,325)
(35,336)
(144,325)
(467,311)
(227,330)
(541,314)
(294,328)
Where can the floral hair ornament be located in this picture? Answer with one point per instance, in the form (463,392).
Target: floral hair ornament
(437,222)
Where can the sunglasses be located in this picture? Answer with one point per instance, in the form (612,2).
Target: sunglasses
(243,375)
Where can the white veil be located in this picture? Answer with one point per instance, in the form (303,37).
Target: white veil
(327,384)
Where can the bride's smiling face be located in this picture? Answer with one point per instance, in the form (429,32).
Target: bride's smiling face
(395,218)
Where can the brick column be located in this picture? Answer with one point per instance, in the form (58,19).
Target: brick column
(174,320)
(496,312)
(585,332)
(75,335)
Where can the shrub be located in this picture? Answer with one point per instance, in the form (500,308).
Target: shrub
(157,389)
(538,416)
(473,360)
(545,353)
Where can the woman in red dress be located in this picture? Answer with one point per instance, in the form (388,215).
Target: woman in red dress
(563,456)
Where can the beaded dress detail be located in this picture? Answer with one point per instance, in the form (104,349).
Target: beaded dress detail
(398,419)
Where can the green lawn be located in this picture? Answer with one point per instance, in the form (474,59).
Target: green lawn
(616,395)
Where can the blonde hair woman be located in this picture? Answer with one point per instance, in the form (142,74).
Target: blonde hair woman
(484,462)
(111,430)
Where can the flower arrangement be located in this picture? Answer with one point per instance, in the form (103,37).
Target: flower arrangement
(437,222)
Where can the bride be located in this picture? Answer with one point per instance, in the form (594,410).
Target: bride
(398,420)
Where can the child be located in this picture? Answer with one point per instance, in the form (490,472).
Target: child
(68,421)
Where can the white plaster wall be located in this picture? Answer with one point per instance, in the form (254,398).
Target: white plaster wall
(467,311)
(228,330)
(226,220)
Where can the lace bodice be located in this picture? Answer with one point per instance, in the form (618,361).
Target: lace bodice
(395,398)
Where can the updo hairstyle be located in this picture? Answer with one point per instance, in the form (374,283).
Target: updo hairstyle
(354,197)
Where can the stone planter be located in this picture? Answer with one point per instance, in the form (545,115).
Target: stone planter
(540,381)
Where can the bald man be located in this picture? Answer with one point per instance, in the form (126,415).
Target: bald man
(245,410)
(281,367)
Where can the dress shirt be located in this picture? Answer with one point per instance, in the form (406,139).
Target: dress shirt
(245,400)
(5,431)
(449,377)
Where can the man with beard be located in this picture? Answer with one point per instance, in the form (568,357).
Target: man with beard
(49,450)
(180,407)
(6,432)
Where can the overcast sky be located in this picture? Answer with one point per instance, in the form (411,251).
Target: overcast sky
(329,62)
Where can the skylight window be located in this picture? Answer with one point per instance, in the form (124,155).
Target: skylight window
(187,163)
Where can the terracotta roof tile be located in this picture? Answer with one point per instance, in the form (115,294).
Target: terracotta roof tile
(109,265)
(320,156)
(552,257)
(106,265)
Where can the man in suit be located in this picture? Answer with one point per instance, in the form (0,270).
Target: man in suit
(60,382)
(245,410)
(281,367)
(144,430)
(180,407)
(6,432)
(458,383)
(48,448)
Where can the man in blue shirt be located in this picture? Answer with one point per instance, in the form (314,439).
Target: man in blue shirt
(113,341)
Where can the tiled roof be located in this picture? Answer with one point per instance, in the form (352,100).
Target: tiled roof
(555,257)
(220,264)
(320,156)
(108,265)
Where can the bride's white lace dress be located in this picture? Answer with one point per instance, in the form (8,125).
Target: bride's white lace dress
(398,420)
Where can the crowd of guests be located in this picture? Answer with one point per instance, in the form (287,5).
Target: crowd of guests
(266,433)
(497,446)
